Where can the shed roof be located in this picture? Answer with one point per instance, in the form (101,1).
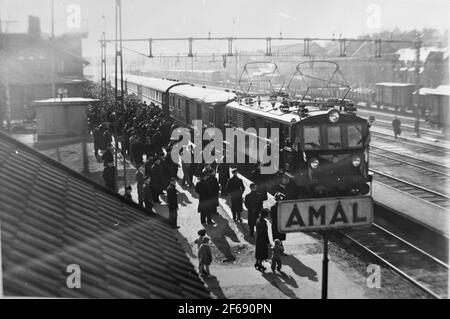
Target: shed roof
(393,84)
(440,90)
(52,217)
(65,101)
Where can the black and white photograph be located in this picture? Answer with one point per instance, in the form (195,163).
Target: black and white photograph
(225,154)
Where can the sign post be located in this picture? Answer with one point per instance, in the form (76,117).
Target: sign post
(322,215)
(325,266)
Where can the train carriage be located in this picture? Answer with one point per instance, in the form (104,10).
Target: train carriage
(323,145)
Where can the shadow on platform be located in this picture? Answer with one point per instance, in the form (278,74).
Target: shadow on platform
(299,268)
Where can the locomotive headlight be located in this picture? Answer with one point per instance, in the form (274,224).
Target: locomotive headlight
(314,163)
(356,161)
(333,116)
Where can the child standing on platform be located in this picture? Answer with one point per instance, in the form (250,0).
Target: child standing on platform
(204,258)
(277,253)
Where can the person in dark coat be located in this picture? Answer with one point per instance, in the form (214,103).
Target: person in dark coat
(172,203)
(148,151)
(127,194)
(224,176)
(157,142)
(235,187)
(148,197)
(262,241)
(108,155)
(156,181)
(274,217)
(140,178)
(396,125)
(172,167)
(109,176)
(148,165)
(137,151)
(214,189)
(202,189)
(253,204)
(107,137)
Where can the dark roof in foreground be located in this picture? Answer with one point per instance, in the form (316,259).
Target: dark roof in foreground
(52,217)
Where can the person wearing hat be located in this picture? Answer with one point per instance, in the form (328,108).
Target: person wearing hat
(147,193)
(235,187)
(140,178)
(262,242)
(274,217)
(252,202)
(204,201)
(109,176)
(172,203)
(204,258)
(108,156)
(127,194)
(224,175)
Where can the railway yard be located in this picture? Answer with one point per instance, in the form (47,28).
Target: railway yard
(277,150)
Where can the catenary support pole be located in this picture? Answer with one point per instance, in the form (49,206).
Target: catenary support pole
(325,266)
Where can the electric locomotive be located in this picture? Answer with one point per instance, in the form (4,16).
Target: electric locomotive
(324,145)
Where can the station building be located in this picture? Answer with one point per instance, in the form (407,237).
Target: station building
(27,63)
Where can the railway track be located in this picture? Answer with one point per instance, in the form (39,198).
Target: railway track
(435,173)
(415,146)
(412,263)
(423,193)
(437,169)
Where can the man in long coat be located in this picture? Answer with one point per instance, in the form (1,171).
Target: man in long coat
(274,217)
(172,203)
(140,178)
(253,204)
(202,189)
(235,187)
(224,176)
(262,241)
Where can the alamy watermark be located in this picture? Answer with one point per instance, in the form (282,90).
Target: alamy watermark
(256,144)
(74,279)
(374,278)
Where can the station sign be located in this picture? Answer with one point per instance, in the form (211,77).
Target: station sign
(324,213)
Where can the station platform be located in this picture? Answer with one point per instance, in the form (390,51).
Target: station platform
(233,273)
(427,214)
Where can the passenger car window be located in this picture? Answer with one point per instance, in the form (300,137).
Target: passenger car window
(311,137)
(354,133)
(334,137)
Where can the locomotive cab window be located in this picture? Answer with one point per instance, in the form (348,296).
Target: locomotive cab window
(334,137)
(311,137)
(354,133)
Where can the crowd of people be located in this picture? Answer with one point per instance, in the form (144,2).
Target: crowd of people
(145,142)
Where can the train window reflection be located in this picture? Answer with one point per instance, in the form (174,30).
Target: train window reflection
(311,137)
(354,135)
(334,137)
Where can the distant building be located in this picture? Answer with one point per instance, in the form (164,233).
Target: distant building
(433,66)
(27,62)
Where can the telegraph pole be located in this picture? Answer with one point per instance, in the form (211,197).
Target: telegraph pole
(103,67)
(119,94)
(4,71)
(418,45)
(53,50)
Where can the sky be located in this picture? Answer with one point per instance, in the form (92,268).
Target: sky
(260,18)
